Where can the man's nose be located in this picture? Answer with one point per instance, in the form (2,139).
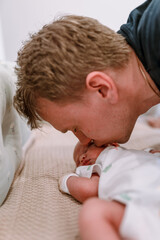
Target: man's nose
(82,138)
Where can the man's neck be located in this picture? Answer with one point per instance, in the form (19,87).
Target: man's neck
(146,93)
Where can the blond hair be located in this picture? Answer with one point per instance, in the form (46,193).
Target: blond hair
(55,62)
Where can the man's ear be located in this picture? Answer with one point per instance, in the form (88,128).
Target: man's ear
(103,84)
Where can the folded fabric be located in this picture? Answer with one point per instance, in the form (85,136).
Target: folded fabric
(10,140)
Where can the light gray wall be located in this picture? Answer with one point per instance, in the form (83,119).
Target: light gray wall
(19,17)
(2,54)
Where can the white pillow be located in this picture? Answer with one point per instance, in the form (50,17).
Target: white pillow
(10,140)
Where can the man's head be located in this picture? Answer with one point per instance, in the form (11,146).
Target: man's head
(86,155)
(55,63)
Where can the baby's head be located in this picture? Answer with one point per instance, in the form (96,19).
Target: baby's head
(86,155)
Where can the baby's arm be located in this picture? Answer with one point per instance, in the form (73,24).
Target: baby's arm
(82,188)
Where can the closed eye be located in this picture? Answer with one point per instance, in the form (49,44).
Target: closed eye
(75,130)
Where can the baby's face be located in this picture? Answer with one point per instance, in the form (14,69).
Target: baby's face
(86,155)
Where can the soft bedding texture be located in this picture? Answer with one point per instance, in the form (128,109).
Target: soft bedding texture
(35,209)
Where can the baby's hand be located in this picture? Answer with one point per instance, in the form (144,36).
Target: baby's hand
(62,183)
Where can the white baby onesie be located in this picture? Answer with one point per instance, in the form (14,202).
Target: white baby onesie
(131,177)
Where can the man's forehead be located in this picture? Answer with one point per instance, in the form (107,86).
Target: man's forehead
(58,116)
(56,105)
(46,106)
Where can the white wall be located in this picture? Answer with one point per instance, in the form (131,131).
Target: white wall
(2,54)
(19,17)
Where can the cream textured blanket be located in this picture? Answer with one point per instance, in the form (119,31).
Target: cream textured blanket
(34,208)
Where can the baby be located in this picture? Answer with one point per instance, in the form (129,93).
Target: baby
(122,189)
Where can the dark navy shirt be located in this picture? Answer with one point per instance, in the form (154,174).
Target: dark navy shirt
(142,32)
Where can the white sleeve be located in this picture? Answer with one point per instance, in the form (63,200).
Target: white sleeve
(63,182)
